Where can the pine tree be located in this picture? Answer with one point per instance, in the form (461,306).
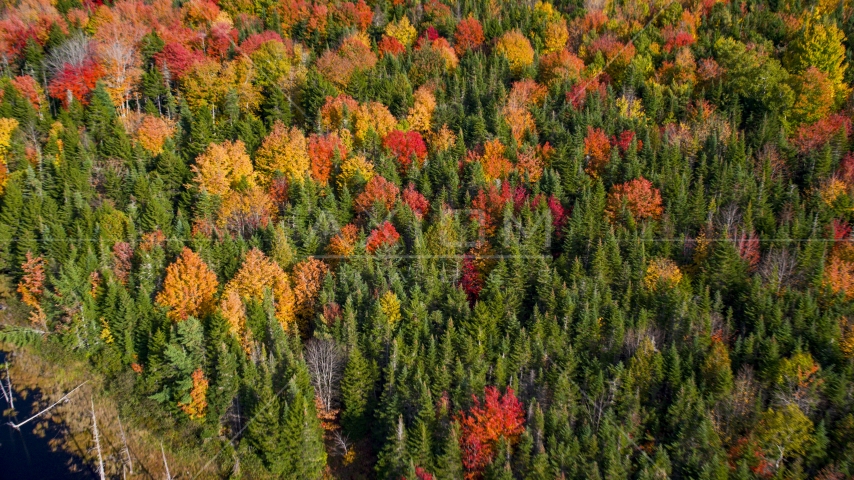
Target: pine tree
(357,387)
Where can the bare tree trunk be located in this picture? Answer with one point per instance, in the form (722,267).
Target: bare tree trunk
(97,442)
(165,463)
(19,425)
(125,450)
(7,391)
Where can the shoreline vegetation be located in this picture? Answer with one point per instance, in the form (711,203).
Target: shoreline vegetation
(131,450)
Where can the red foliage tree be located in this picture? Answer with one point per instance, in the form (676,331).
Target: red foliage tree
(469,35)
(809,138)
(278,190)
(471,280)
(500,416)
(321,151)
(642,199)
(487,206)
(29,88)
(75,81)
(577,95)
(845,172)
(624,141)
(558,214)
(839,230)
(384,235)
(748,248)
(676,39)
(417,202)
(222,36)
(378,190)
(406,146)
(349,14)
(254,41)
(177,59)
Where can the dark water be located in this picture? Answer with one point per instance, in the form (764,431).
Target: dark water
(25,455)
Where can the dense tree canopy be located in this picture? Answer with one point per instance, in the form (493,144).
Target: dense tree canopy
(560,240)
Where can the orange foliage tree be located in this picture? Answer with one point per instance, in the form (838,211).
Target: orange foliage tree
(308,278)
(560,66)
(469,35)
(500,416)
(354,55)
(31,285)
(321,150)
(597,150)
(245,211)
(344,243)
(198,404)
(641,199)
(495,163)
(152,132)
(257,274)
(189,287)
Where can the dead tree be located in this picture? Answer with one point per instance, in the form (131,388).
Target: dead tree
(7,390)
(97,438)
(165,463)
(325,366)
(17,426)
(125,450)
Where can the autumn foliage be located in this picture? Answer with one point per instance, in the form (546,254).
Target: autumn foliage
(468,36)
(31,286)
(198,404)
(406,148)
(221,166)
(382,236)
(284,151)
(517,50)
(597,149)
(256,276)
(321,151)
(189,287)
(378,191)
(75,82)
(640,197)
(499,416)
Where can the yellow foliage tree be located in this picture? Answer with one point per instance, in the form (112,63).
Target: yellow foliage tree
(355,168)
(403,31)
(221,166)
(7,126)
(390,306)
(284,151)
(662,272)
(420,115)
(555,36)
(189,287)
(372,116)
(517,50)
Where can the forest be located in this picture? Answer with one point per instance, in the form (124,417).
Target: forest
(442,239)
